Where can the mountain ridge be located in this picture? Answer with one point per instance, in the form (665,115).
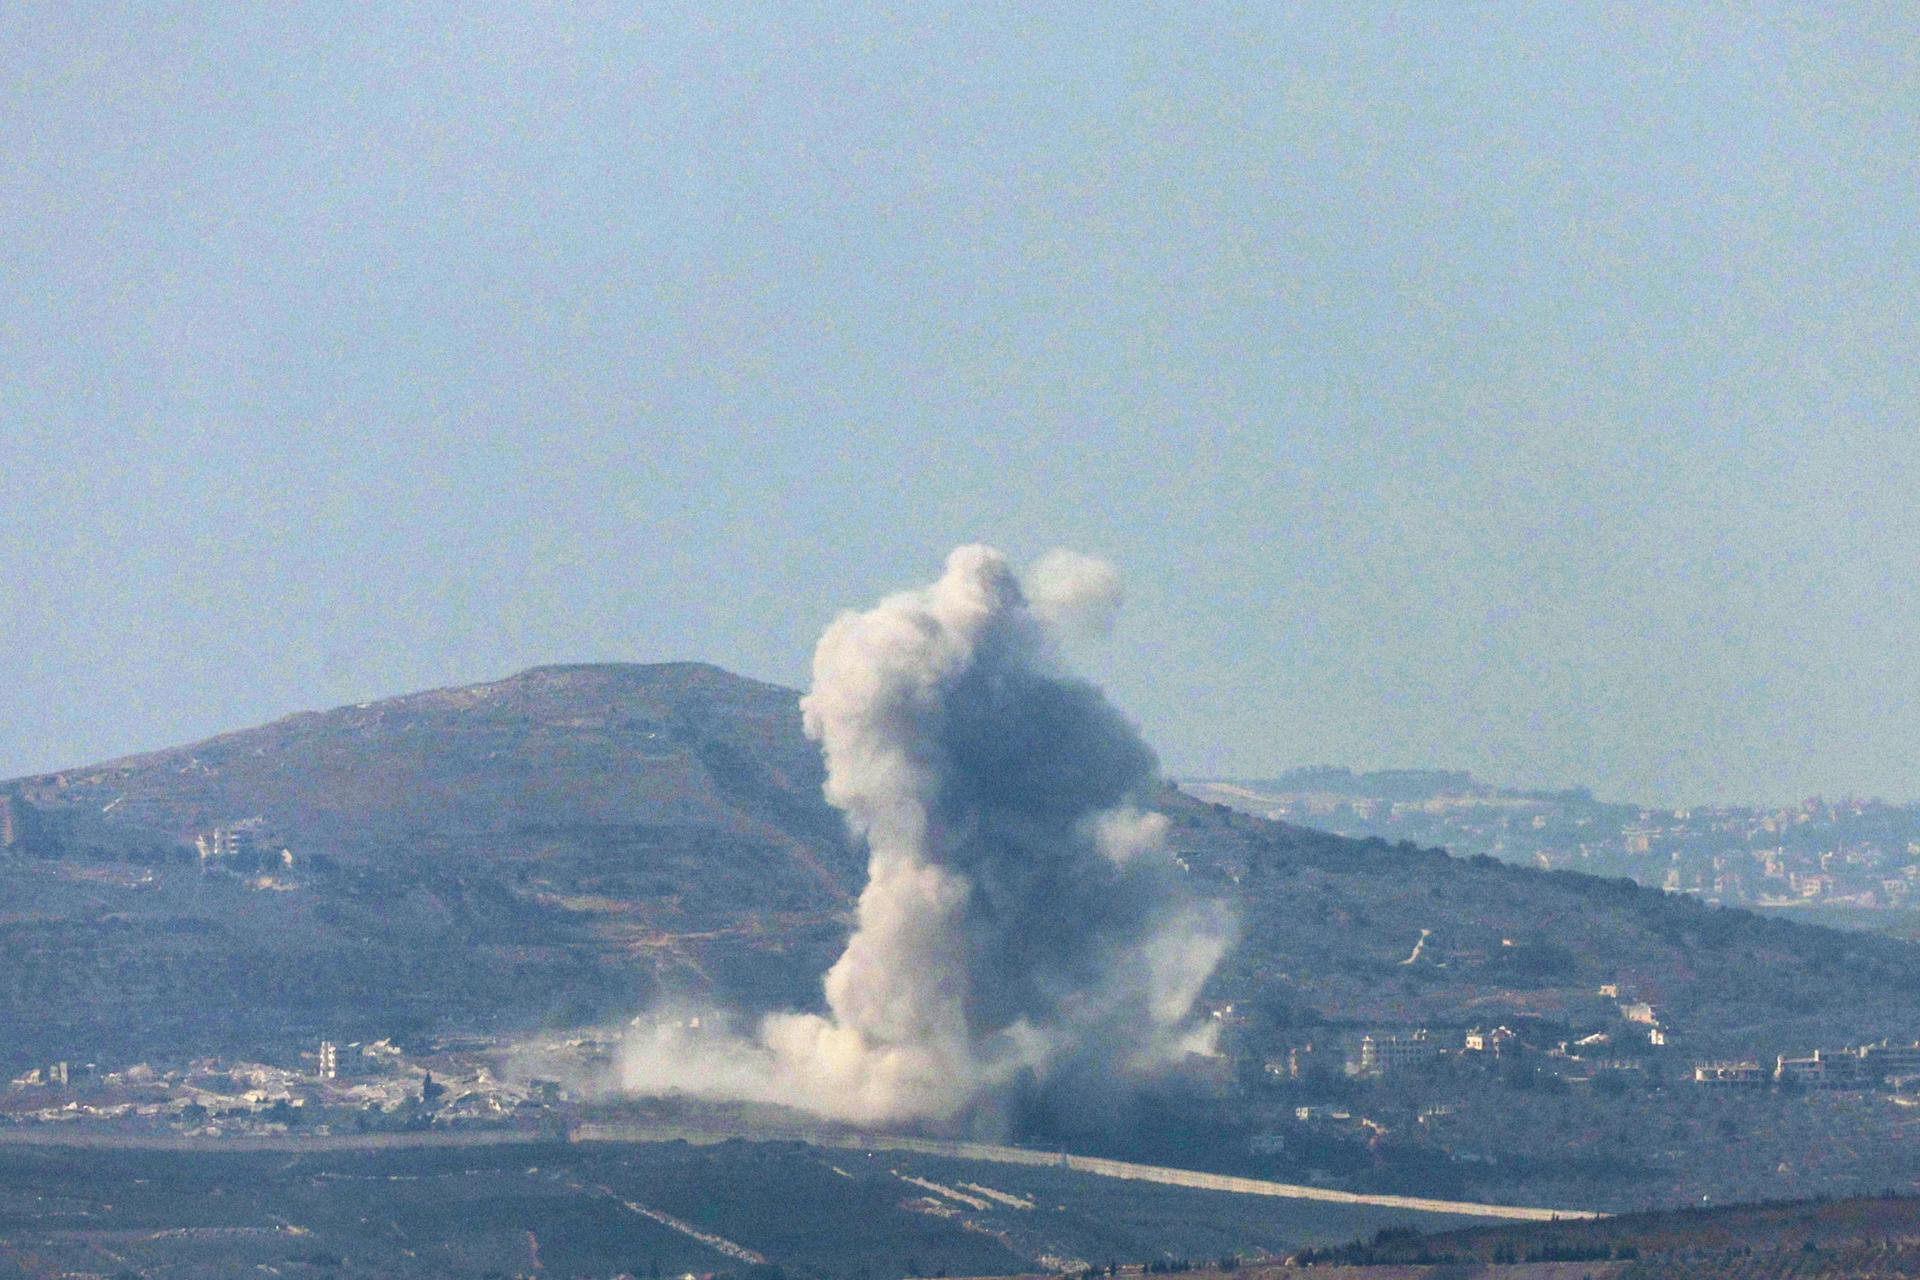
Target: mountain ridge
(578,838)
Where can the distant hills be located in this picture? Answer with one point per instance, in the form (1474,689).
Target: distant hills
(1398,784)
(1846,860)
(1384,784)
(564,844)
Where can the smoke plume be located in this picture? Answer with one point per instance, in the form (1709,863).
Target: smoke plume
(1022,923)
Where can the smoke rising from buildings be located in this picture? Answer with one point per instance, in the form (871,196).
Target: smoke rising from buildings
(1022,923)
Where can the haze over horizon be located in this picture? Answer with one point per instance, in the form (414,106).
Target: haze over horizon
(1523,395)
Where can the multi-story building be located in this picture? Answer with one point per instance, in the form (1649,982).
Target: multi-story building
(1824,1069)
(1730,1075)
(1496,1040)
(1388,1055)
(19,830)
(233,840)
(1884,1061)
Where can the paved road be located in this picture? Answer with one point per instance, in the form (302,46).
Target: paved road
(597,1133)
(1109,1169)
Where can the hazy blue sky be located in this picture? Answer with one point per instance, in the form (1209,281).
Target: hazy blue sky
(1528,389)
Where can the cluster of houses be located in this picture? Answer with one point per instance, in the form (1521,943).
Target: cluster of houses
(1868,1066)
(374,1084)
(1381,1055)
(248,842)
(1885,1065)
(1849,852)
(1623,1047)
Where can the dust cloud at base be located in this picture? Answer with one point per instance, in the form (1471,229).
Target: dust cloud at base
(1023,922)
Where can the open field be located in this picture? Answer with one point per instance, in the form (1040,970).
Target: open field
(1502,1271)
(1130,1171)
(604,1208)
(1865,1238)
(965,1152)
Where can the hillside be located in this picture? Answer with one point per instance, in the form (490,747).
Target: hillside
(562,844)
(554,764)
(1868,1236)
(1332,925)
(550,847)
(1846,861)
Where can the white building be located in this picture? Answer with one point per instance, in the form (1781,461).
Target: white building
(1731,1075)
(1385,1055)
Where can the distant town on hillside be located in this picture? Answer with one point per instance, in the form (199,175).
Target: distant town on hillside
(1845,855)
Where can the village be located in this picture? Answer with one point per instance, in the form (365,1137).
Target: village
(1620,1094)
(1612,1116)
(1637,1041)
(1851,853)
(334,1089)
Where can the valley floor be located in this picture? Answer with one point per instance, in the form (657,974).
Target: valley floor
(605,1209)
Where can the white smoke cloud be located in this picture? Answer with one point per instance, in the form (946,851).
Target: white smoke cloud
(1074,592)
(1022,920)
